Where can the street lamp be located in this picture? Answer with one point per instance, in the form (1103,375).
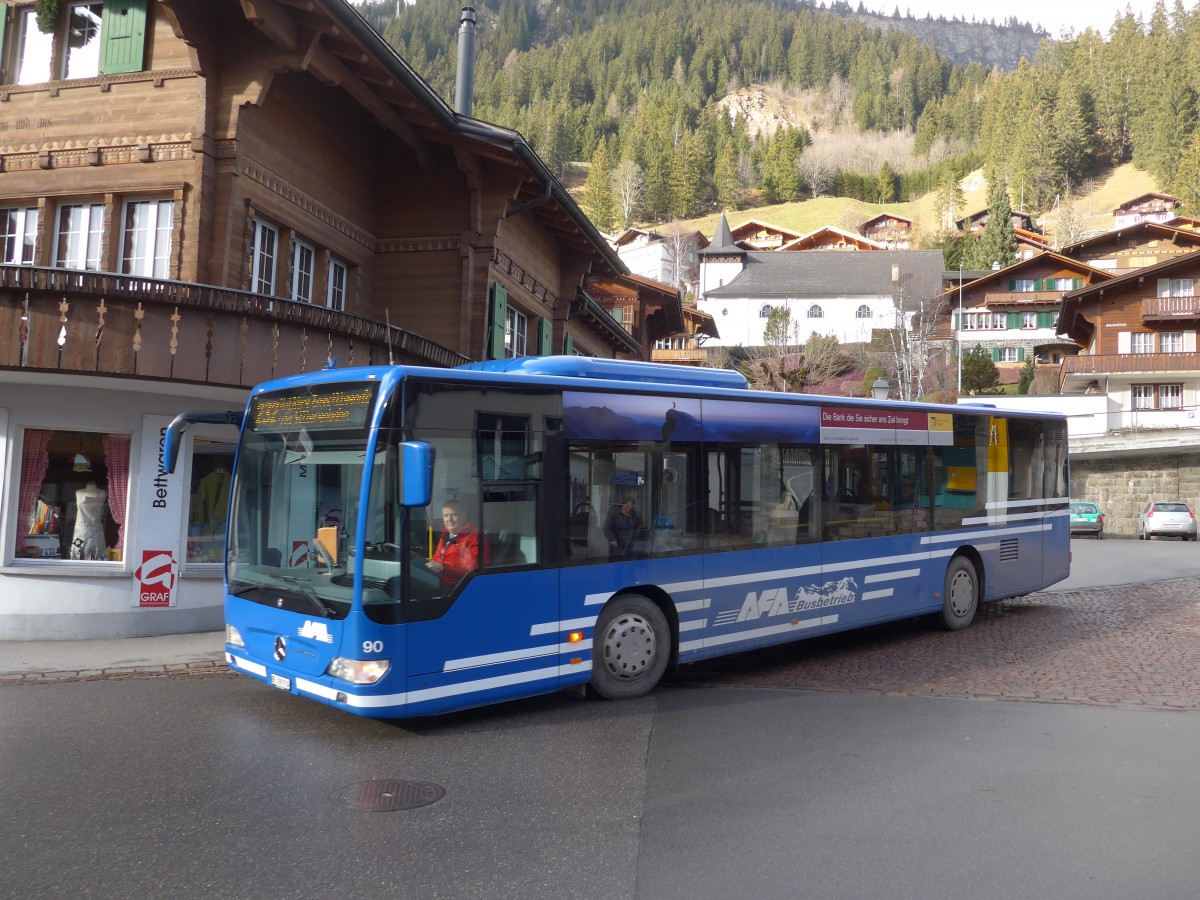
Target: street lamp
(881,388)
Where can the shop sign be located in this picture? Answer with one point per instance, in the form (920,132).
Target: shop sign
(161,505)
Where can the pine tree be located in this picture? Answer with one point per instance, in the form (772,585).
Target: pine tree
(885,184)
(1187,178)
(597,191)
(997,244)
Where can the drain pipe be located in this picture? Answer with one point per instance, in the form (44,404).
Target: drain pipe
(464,85)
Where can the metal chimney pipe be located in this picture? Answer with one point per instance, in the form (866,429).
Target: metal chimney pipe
(464,85)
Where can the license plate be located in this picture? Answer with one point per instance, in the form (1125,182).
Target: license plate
(284,684)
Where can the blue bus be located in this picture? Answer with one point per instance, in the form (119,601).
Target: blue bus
(408,541)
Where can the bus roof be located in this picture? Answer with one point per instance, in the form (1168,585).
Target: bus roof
(613,370)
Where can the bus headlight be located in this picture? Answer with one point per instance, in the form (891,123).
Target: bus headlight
(233,636)
(358,671)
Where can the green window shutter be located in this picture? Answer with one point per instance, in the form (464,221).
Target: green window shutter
(1020,354)
(1012,285)
(956,321)
(1045,320)
(122,36)
(568,345)
(499,315)
(545,333)
(995,354)
(1037,285)
(1014,320)
(1076,283)
(3,23)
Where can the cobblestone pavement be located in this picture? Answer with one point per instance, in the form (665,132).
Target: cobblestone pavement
(1132,646)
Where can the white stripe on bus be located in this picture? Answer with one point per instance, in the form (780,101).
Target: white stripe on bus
(256,668)
(563,625)
(1014,504)
(490,659)
(875,595)
(740,636)
(889,576)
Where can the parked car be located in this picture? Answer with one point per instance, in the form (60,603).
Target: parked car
(1086,518)
(1166,517)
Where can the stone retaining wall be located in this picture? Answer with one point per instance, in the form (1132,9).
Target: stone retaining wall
(1122,486)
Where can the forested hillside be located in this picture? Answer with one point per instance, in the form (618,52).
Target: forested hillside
(633,87)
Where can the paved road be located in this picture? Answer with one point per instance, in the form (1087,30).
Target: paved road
(891,762)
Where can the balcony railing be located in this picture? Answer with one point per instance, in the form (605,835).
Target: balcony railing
(104,323)
(1127,363)
(694,354)
(992,299)
(1170,308)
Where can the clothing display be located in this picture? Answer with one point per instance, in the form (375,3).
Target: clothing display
(88,541)
(210,502)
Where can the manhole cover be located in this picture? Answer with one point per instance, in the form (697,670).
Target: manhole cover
(388,794)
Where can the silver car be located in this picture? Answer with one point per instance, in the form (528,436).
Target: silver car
(1166,518)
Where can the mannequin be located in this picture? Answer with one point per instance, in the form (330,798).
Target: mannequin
(88,541)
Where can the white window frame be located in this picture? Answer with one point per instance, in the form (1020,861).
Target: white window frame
(263,257)
(146,237)
(335,285)
(864,312)
(1029,320)
(1170,342)
(78,243)
(1142,396)
(304,265)
(1181,287)
(34,51)
(516,333)
(1007,355)
(1023,285)
(81,62)
(1170,396)
(22,239)
(1141,342)
(815,312)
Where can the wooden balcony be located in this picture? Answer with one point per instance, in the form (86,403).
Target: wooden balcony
(1130,363)
(106,324)
(994,299)
(1168,308)
(692,355)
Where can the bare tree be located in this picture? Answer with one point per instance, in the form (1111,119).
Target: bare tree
(682,247)
(817,169)
(629,189)
(911,347)
(1068,221)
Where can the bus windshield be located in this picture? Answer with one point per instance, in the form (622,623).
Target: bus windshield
(296,496)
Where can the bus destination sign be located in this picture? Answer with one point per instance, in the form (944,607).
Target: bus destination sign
(329,407)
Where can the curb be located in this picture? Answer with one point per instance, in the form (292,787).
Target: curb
(209,667)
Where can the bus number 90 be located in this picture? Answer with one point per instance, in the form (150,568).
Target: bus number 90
(372,646)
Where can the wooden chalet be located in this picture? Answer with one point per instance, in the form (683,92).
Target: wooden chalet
(199,195)
(1030,243)
(1151,207)
(977,220)
(1134,247)
(892,231)
(831,238)
(1137,334)
(1012,313)
(754,234)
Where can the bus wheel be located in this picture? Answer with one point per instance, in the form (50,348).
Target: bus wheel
(961,596)
(630,648)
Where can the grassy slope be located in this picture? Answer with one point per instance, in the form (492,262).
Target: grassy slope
(1121,184)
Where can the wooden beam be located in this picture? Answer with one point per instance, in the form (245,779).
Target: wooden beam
(273,20)
(323,65)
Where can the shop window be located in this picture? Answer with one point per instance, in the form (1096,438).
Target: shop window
(73,495)
(212,465)
(18,231)
(146,242)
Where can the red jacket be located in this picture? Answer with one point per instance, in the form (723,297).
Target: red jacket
(458,555)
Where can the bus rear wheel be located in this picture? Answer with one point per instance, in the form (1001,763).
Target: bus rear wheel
(960,599)
(630,648)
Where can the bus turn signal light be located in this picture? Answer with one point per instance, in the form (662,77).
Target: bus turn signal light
(575,637)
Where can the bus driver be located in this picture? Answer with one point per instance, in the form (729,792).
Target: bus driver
(457,552)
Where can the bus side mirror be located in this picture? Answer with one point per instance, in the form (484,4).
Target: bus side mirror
(416,473)
(173,439)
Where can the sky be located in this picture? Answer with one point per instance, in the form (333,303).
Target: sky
(1053,15)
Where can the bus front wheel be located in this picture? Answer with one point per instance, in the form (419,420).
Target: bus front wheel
(630,648)
(960,600)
